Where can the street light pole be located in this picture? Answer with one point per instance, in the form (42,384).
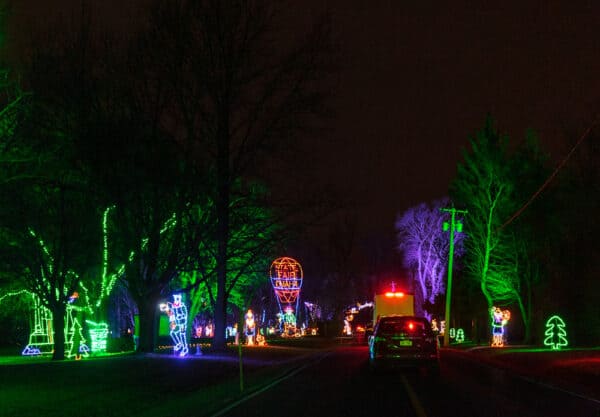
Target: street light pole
(453,225)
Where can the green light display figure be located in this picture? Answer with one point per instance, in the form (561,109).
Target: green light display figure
(556,335)
(460,336)
(99,335)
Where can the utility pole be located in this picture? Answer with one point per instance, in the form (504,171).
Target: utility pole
(453,225)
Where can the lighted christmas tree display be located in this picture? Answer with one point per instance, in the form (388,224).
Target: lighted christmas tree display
(460,336)
(556,334)
(76,346)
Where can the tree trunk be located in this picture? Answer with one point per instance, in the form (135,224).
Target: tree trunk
(147,319)
(526,318)
(58,322)
(222,207)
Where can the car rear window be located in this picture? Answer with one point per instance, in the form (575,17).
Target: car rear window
(404,325)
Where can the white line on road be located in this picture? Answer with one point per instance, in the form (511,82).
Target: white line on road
(268,386)
(413,398)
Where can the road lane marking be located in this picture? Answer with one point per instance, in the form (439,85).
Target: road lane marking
(416,404)
(268,386)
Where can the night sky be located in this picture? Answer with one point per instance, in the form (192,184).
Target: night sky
(418,78)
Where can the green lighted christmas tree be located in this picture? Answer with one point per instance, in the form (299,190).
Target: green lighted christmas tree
(77,347)
(556,335)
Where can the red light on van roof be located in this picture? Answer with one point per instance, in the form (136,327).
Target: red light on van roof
(394,294)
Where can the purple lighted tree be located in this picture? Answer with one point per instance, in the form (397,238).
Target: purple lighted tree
(425,246)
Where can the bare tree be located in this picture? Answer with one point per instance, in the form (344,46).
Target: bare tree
(425,246)
(243,88)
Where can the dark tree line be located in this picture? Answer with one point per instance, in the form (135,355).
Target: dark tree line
(170,126)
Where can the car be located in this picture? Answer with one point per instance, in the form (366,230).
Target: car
(404,342)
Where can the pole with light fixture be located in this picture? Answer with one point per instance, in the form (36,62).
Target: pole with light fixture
(453,225)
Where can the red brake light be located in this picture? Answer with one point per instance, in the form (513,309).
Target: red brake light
(394,294)
(411,325)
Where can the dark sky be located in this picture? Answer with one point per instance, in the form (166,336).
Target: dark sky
(418,78)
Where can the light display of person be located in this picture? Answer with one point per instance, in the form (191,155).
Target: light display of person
(289,321)
(177,312)
(250,328)
(499,320)
(434,326)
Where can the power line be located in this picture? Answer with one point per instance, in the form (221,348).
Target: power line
(551,177)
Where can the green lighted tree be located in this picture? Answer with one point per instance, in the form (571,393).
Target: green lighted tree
(495,256)
(556,334)
(50,211)
(254,235)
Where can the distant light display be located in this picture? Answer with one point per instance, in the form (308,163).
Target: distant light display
(99,335)
(460,336)
(452,333)
(556,333)
(286,278)
(499,319)
(250,328)
(177,313)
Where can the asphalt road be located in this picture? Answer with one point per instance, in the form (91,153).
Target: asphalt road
(339,383)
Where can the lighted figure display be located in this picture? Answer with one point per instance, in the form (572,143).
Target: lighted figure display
(286,278)
(460,336)
(41,339)
(499,320)
(208,330)
(452,333)
(289,322)
(98,334)
(434,326)
(75,346)
(250,327)
(177,312)
(556,334)
(350,313)
(347,327)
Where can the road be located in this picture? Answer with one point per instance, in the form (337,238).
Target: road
(339,383)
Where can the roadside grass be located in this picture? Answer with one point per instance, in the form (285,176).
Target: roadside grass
(136,385)
(573,369)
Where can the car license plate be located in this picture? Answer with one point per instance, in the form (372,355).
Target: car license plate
(406,343)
